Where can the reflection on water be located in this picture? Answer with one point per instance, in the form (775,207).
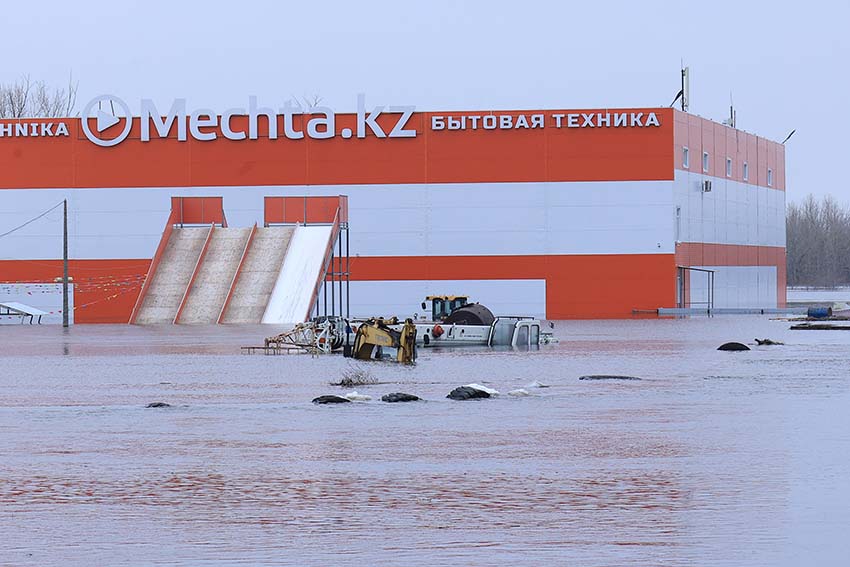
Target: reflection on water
(713,458)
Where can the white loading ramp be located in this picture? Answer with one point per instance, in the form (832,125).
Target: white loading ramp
(303,268)
(253,284)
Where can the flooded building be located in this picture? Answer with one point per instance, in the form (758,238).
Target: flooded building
(595,213)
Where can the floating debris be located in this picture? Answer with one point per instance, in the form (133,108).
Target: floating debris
(467,393)
(537,384)
(490,391)
(355,397)
(158,405)
(354,376)
(399,397)
(767,342)
(819,327)
(733,346)
(519,393)
(819,312)
(608,377)
(331,400)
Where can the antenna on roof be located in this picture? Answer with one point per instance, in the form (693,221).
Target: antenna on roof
(684,93)
(788,137)
(733,115)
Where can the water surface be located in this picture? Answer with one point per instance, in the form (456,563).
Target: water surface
(714,458)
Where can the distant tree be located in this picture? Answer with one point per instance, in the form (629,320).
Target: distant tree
(26,98)
(818,242)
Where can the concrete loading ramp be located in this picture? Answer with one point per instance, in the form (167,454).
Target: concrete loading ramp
(169,282)
(210,273)
(258,275)
(209,289)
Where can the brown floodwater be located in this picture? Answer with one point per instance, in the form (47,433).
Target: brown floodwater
(713,458)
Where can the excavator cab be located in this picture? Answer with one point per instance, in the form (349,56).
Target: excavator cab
(443,305)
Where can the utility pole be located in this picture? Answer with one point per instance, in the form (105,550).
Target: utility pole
(65,267)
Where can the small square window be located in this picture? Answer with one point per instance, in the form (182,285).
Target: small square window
(705,162)
(770,178)
(746,171)
(686,157)
(728,167)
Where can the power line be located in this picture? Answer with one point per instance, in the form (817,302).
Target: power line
(56,206)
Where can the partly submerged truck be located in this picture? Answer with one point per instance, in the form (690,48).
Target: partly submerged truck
(456,322)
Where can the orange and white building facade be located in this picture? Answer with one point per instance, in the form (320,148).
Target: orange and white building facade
(559,213)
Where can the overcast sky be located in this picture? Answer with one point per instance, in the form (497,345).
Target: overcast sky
(785,63)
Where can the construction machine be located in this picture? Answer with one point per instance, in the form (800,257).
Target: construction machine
(375,334)
(456,309)
(456,322)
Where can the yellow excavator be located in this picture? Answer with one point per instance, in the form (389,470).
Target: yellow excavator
(375,334)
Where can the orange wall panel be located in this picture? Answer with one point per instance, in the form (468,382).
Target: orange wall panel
(721,142)
(702,254)
(577,286)
(197,210)
(761,157)
(719,165)
(695,142)
(433,156)
(313,209)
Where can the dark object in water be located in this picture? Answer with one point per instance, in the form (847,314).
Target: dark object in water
(158,405)
(331,400)
(608,377)
(819,312)
(467,393)
(733,346)
(399,397)
(471,314)
(767,342)
(819,327)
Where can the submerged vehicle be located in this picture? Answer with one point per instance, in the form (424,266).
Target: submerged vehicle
(456,322)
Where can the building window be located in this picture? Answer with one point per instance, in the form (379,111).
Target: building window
(728,167)
(705,162)
(769,177)
(678,224)
(686,157)
(746,172)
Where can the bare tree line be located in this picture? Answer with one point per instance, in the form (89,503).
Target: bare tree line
(26,98)
(818,242)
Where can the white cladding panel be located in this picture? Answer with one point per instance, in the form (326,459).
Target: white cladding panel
(732,213)
(633,217)
(47,297)
(404,298)
(735,286)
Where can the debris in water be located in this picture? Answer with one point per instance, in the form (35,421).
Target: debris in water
(355,397)
(608,377)
(400,397)
(331,400)
(819,327)
(467,393)
(733,346)
(490,391)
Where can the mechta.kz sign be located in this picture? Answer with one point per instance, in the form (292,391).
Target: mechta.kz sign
(319,122)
